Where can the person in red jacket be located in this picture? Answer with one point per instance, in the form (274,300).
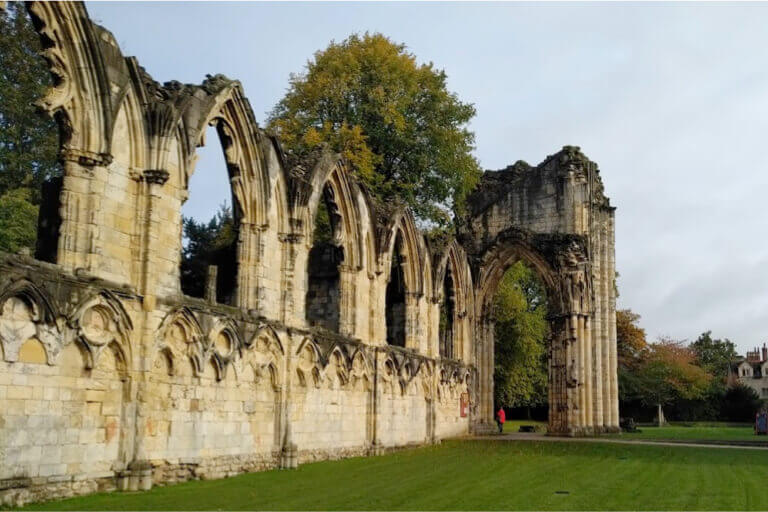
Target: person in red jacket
(500,419)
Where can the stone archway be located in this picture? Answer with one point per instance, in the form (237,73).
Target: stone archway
(556,218)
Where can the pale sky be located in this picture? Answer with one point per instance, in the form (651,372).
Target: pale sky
(670,99)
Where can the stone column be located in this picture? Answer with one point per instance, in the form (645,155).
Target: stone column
(598,341)
(579,357)
(606,281)
(483,423)
(154,179)
(557,392)
(590,424)
(79,210)
(412,320)
(347,302)
(291,244)
(613,368)
(248,259)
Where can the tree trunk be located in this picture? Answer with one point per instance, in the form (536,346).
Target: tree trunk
(660,416)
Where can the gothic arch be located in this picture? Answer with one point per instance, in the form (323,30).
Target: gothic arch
(417,270)
(498,260)
(453,262)
(80,98)
(332,176)
(132,155)
(405,256)
(101,322)
(26,312)
(333,264)
(230,112)
(43,305)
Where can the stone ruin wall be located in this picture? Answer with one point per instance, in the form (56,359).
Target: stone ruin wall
(111,378)
(556,217)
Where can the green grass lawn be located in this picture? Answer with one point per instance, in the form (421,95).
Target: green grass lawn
(480,475)
(697,433)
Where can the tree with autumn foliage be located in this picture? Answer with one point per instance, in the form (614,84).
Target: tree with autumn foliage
(669,372)
(631,345)
(393,119)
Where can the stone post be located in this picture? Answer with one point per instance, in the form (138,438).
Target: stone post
(210,283)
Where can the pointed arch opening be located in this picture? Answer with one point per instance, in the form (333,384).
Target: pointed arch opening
(211,223)
(396,296)
(521,332)
(323,297)
(447,327)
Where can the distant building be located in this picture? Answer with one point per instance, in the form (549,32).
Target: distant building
(752,371)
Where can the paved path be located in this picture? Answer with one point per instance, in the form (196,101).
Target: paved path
(541,437)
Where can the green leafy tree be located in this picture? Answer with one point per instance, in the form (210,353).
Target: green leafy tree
(28,139)
(18,221)
(714,355)
(521,332)
(393,119)
(211,243)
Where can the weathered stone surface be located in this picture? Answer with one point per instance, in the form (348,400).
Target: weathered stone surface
(111,378)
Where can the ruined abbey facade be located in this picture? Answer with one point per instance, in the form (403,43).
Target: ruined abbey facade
(112,378)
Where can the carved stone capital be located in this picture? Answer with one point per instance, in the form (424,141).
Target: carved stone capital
(290,238)
(85,158)
(156,176)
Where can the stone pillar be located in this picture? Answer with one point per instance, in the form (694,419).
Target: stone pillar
(154,179)
(590,424)
(598,341)
(211,279)
(483,422)
(347,302)
(80,210)
(376,443)
(291,244)
(248,260)
(560,414)
(613,368)
(579,357)
(606,281)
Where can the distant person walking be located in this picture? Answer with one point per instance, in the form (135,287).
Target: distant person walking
(500,419)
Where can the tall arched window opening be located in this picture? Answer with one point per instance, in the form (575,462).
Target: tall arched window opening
(210,226)
(395,297)
(323,297)
(447,317)
(521,336)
